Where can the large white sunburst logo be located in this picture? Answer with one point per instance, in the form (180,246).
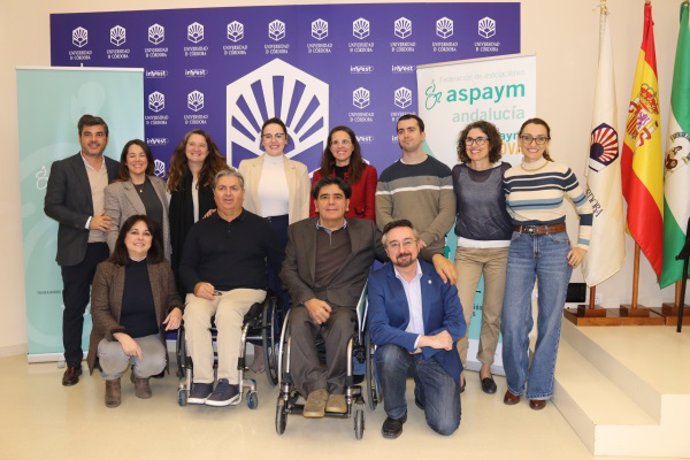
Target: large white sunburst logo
(277,89)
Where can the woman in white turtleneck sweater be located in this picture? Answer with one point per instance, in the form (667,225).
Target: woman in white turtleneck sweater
(277,189)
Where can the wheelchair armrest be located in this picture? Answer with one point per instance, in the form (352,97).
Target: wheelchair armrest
(254,312)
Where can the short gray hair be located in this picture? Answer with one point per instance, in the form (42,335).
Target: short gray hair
(230,172)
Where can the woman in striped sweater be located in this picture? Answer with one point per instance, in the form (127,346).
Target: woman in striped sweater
(539,250)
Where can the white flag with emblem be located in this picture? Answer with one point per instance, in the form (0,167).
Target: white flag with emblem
(607,246)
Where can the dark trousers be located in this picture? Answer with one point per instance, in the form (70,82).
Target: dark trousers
(76,281)
(437,391)
(280,227)
(307,372)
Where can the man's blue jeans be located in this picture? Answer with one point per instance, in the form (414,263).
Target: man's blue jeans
(438,392)
(542,257)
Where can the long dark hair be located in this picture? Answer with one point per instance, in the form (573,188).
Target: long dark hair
(538,121)
(492,134)
(356,166)
(120,255)
(213,163)
(123,173)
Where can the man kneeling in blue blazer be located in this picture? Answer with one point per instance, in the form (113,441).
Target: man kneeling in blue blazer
(415,320)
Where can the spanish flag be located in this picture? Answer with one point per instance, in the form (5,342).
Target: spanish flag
(641,165)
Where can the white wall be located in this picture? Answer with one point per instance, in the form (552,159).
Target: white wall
(563,34)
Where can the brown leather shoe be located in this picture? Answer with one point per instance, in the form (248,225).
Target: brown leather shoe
(141,388)
(510,399)
(315,407)
(336,403)
(113,393)
(71,376)
(537,404)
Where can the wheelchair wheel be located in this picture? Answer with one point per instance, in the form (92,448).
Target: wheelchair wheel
(180,352)
(281,416)
(281,353)
(269,339)
(182,397)
(359,421)
(372,394)
(252,400)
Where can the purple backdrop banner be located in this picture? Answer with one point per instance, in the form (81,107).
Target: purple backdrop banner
(225,70)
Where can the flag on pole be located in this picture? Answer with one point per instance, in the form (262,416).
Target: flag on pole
(677,174)
(607,245)
(642,157)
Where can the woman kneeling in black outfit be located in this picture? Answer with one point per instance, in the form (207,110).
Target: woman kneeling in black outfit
(134,300)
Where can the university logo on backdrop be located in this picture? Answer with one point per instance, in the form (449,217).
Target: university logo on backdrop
(277,89)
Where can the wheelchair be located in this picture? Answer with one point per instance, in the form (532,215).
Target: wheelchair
(261,326)
(360,353)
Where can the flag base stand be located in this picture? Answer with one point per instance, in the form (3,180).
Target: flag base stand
(597,316)
(669,312)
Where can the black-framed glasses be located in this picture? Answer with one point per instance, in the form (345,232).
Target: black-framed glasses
(539,140)
(476,140)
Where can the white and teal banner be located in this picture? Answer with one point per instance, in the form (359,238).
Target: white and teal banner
(50,102)
(501,90)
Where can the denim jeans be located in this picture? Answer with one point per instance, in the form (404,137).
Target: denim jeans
(542,257)
(434,388)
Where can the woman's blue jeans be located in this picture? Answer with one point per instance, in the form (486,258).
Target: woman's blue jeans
(544,258)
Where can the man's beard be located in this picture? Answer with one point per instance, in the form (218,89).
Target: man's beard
(405,260)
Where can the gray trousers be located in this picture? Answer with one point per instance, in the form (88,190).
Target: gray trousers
(307,372)
(114,361)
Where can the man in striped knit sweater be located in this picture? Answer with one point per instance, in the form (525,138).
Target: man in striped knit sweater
(418,188)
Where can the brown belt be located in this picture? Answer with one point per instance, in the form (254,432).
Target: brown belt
(540,229)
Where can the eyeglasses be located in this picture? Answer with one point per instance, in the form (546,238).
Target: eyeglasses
(476,140)
(276,136)
(527,139)
(406,243)
(344,142)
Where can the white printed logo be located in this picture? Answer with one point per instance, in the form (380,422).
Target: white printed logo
(41,178)
(118,35)
(235,31)
(319,29)
(486,27)
(361,98)
(156,101)
(444,27)
(276,30)
(361,28)
(156,34)
(195,32)
(159,168)
(195,101)
(157,141)
(287,92)
(403,97)
(402,28)
(80,37)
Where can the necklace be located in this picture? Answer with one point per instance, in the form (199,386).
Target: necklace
(140,187)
